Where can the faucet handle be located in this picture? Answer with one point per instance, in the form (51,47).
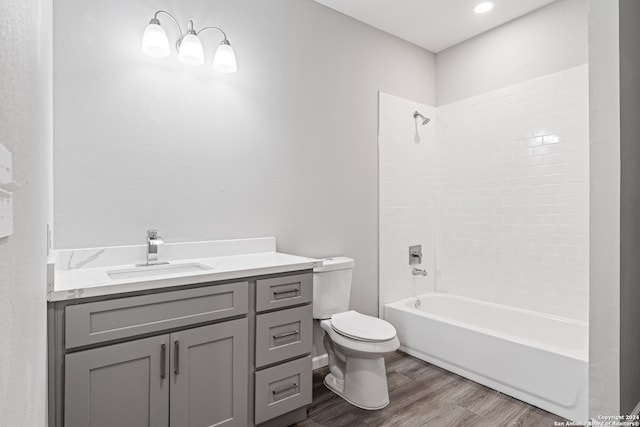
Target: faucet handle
(415,254)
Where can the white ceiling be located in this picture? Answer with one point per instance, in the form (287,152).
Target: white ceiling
(433,24)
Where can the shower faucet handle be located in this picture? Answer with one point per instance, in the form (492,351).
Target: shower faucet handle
(415,254)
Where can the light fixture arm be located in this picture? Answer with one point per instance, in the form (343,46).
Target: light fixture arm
(214,28)
(190,29)
(155,18)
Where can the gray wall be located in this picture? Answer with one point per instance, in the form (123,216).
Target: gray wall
(286,147)
(542,42)
(629,206)
(25,129)
(604,230)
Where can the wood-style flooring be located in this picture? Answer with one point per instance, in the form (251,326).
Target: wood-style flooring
(422,394)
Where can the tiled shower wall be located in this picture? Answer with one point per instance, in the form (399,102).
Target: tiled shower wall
(507,175)
(513,195)
(407,196)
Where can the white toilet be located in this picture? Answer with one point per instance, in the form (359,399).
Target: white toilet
(355,343)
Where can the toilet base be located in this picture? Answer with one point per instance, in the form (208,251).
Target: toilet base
(336,386)
(357,371)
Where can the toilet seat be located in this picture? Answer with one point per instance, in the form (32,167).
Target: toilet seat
(365,347)
(361,327)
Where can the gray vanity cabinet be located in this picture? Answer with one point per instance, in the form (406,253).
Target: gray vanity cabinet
(283,377)
(209,375)
(118,385)
(197,376)
(228,353)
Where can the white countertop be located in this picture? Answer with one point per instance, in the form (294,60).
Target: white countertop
(93,282)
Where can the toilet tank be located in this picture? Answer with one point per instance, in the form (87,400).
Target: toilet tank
(332,287)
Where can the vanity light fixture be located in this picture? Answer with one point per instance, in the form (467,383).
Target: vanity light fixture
(483,7)
(156,43)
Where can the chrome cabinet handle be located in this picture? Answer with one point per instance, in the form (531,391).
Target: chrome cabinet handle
(297,291)
(163,361)
(176,359)
(293,386)
(286,334)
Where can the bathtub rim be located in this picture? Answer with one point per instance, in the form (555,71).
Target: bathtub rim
(578,354)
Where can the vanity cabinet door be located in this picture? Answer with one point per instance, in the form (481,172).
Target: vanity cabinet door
(119,385)
(209,380)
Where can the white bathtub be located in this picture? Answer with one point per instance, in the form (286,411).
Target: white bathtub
(538,358)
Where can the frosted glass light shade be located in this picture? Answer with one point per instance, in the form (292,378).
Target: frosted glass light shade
(190,51)
(224,60)
(154,41)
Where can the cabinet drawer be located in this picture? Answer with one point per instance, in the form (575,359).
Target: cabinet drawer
(281,292)
(102,321)
(282,389)
(282,335)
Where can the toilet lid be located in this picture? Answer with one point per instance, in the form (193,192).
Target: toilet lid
(361,327)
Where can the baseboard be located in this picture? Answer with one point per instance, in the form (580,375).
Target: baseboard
(636,410)
(318,362)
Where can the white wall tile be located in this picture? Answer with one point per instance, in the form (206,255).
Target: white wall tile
(513,195)
(497,189)
(407,189)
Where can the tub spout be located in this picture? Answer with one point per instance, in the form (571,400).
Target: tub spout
(419,272)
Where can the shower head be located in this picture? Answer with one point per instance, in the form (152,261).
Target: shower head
(425,120)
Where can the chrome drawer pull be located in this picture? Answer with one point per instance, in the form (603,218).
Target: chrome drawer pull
(290,291)
(293,386)
(286,334)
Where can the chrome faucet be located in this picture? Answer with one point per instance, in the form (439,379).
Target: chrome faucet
(419,272)
(153,242)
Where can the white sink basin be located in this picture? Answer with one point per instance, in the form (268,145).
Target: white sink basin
(156,270)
